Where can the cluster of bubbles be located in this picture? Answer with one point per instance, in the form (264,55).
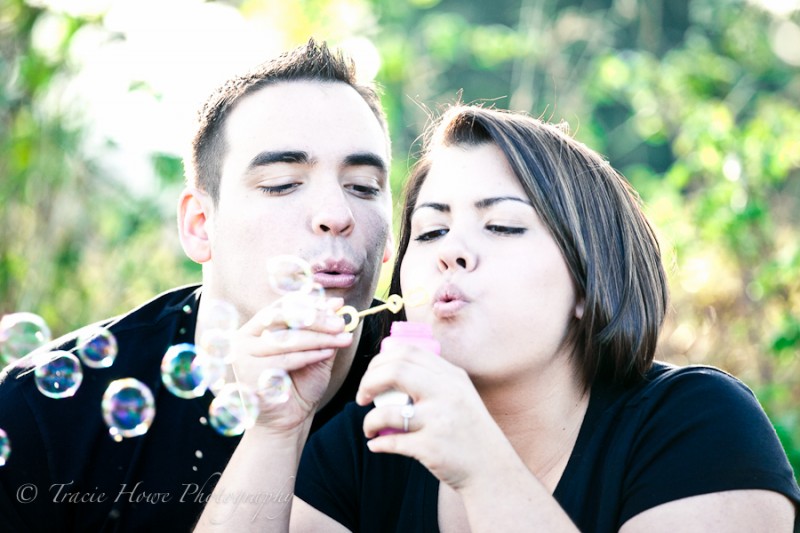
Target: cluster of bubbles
(57,374)
(187,370)
(190,370)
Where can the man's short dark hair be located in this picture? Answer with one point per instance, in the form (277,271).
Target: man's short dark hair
(309,62)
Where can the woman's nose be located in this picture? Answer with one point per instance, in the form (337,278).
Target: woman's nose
(455,254)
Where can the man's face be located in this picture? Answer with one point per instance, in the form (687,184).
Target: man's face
(305,173)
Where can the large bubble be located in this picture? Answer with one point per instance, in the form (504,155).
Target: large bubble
(58,374)
(128,408)
(20,334)
(234,410)
(97,347)
(184,371)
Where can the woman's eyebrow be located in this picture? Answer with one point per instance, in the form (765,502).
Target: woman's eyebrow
(488,202)
(442,208)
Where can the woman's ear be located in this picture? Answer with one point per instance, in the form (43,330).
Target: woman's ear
(194,211)
(579,305)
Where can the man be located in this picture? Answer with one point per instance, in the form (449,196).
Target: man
(291,158)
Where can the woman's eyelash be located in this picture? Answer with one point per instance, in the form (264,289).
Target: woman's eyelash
(506,230)
(431,235)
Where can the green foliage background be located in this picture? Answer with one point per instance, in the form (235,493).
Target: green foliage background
(688,98)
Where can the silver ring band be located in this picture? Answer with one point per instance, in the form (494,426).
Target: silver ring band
(407,412)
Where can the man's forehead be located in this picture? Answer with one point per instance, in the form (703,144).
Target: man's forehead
(309,116)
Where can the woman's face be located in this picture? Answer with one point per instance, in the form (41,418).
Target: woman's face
(501,296)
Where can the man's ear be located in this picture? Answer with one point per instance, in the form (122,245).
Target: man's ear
(194,211)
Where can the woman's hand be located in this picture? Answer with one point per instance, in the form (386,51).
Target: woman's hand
(450,431)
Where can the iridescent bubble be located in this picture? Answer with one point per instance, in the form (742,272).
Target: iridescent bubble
(216,374)
(184,371)
(217,344)
(219,314)
(234,409)
(274,386)
(5,447)
(97,347)
(58,374)
(128,408)
(288,273)
(298,310)
(20,334)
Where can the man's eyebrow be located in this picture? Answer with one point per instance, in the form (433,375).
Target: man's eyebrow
(365,159)
(285,156)
(488,202)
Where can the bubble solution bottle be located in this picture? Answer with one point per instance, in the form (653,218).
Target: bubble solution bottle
(416,333)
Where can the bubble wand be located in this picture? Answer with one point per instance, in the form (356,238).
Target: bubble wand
(394,303)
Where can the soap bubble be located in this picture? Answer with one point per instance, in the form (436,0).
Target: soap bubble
(97,347)
(234,409)
(219,314)
(288,273)
(217,344)
(5,447)
(128,408)
(20,334)
(183,371)
(274,386)
(298,310)
(215,373)
(58,374)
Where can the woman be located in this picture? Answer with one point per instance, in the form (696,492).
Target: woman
(545,410)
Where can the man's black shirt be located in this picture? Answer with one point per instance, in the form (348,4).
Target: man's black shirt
(66,473)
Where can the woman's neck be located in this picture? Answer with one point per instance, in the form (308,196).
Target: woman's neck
(541,416)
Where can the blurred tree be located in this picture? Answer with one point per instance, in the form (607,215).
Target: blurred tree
(75,245)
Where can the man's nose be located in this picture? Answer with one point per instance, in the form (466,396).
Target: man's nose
(332,214)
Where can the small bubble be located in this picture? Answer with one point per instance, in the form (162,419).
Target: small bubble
(182,331)
(274,386)
(183,371)
(58,374)
(298,310)
(198,454)
(128,408)
(204,420)
(97,348)
(187,309)
(288,273)
(20,334)
(233,410)
(219,314)
(5,447)
(194,468)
